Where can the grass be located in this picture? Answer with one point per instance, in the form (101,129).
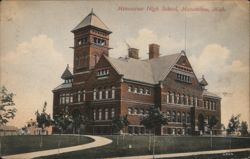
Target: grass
(29,143)
(138,145)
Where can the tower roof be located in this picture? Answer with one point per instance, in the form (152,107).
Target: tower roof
(92,20)
(67,74)
(203,81)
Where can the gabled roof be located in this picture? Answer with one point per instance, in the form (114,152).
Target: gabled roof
(210,94)
(149,71)
(63,86)
(92,20)
(161,66)
(67,74)
(203,81)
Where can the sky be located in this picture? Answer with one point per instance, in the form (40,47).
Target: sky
(35,41)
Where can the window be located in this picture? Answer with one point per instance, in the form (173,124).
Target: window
(129,89)
(168,97)
(67,98)
(184,100)
(141,91)
(94,114)
(113,92)
(71,98)
(173,117)
(135,90)
(147,91)
(129,111)
(178,99)
(183,117)
(100,94)
(77,61)
(113,112)
(187,100)
(178,117)
(136,111)
(83,95)
(106,114)
(106,93)
(94,94)
(168,116)
(172,97)
(100,114)
(141,112)
(183,78)
(79,96)
(195,101)
(99,41)
(188,117)
(103,72)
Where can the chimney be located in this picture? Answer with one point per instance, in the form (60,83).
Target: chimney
(154,51)
(133,53)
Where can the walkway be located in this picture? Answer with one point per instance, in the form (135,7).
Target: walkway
(98,141)
(185,154)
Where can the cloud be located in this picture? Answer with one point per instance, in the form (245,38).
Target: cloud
(31,71)
(229,79)
(143,38)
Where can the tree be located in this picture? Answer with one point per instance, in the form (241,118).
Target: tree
(243,128)
(7,106)
(212,122)
(62,121)
(201,123)
(234,124)
(77,119)
(119,122)
(43,120)
(153,120)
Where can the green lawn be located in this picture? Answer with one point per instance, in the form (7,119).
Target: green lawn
(164,144)
(29,143)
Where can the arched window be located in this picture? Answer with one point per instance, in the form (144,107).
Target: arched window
(135,90)
(183,117)
(112,112)
(173,116)
(129,111)
(178,117)
(113,92)
(100,114)
(129,88)
(94,94)
(94,114)
(188,117)
(106,114)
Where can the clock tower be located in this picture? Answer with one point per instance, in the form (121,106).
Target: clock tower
(91,40)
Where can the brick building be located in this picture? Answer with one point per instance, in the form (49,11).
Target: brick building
(101,87)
